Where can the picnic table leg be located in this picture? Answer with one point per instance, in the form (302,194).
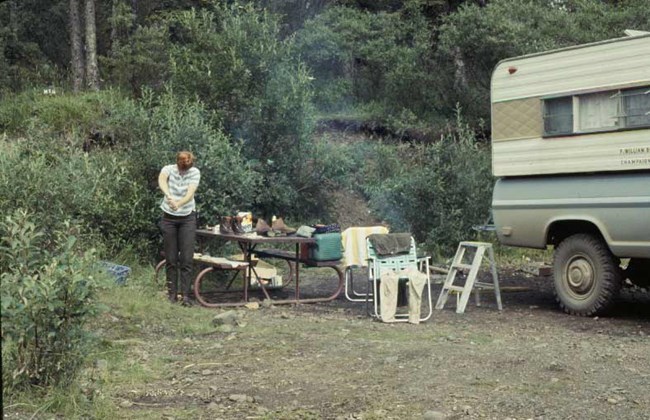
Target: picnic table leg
(234,276)
(248,255)
(341,276)
(159,267)
(297,297)
(197,287)
(291,270)
(260,283)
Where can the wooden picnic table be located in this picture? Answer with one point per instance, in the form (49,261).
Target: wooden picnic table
(249,243)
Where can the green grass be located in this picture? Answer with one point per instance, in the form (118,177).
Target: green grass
(516,257)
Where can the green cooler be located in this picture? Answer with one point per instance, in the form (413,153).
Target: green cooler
(326,248)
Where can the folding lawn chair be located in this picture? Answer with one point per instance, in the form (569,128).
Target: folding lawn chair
(405,267)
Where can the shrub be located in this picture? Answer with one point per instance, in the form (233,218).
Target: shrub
(224,55)
(360,58)
(228,182)
(38,187)
(47,298)
(111,199)
(112,192)
(326,168)
(232,58)
(277,139)
(15,113)
(97,191)
(141,61)
(436,191)
(69,117)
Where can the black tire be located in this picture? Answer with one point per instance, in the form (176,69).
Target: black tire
(587,276)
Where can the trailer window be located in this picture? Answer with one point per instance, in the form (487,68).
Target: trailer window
(558,116)
(636,107)
(597,112)
(601,111)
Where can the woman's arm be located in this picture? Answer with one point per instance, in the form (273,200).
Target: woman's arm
(191,189)
(163,184)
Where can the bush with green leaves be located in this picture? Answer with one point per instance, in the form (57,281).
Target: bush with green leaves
(16,112)
(359,57)
(98,191)
(277,140)
(327,167)
(68,119)
(233,59)
(48,297)
(139,56)
(224,55)
(435,191)
(233,79)
(112,191)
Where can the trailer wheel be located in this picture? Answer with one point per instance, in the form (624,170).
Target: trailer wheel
(587,276)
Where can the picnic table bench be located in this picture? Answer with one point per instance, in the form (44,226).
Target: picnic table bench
(207,264)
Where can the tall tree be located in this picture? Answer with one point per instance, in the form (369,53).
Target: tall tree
(92,71)
(76,53)
(13,17)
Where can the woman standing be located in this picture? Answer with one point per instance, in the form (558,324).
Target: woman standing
(179,183)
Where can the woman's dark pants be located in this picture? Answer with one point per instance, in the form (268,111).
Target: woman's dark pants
(179,233)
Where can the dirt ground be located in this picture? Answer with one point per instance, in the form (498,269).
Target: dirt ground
(332,361)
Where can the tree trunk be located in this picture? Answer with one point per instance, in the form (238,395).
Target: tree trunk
(76,54)
(13,18)
(92,71)
(460,79)
(113,24)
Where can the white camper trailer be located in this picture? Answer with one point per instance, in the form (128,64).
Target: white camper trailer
(571,151)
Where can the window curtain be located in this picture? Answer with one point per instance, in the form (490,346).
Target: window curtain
(597,111)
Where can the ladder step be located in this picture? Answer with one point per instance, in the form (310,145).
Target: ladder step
(462,266)
(475,245)
(484,285)
(455,288)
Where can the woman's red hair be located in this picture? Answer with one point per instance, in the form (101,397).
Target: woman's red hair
(184,160)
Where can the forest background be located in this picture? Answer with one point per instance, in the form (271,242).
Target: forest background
(96,96)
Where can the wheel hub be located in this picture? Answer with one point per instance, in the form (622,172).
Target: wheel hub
(580,275)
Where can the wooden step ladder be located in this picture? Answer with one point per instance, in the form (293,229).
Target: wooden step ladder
(458,266)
